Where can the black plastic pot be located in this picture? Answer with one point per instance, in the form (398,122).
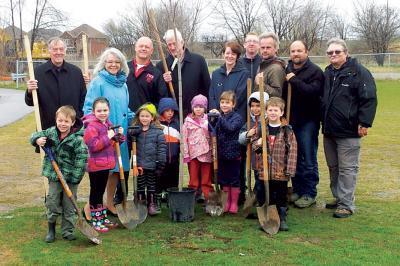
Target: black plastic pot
(181,204)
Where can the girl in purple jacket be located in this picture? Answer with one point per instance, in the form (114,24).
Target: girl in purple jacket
(100,141)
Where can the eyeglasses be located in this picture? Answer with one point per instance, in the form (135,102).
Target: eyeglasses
(252,41)
(333,52)
(113,62)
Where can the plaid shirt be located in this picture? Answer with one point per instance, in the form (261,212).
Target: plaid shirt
(279,168)
(71,155)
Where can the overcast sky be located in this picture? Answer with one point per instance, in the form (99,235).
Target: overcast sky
(97,12)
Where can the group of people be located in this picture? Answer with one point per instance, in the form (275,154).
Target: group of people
(129,102)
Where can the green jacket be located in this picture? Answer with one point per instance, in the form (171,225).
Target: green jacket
(71,154)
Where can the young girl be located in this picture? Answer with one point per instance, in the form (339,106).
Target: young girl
(197,148)
(151,153)
(99,138)
(228,128)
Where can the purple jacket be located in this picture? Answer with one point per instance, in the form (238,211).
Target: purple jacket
(101,148)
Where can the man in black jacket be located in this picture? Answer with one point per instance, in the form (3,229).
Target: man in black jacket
(145,82)
(251,59)
(195,75)
(348,109)
(307,82)
(58,83)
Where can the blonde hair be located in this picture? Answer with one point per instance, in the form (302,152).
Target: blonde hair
(67,111)
(276,102)
(272,35)
(229,96)
(154,121)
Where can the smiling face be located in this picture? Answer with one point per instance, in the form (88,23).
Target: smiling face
(101,111)
(298,54)
(226,106)
(274,114)
(255,108)
(145,118)
(112,64)
(64,123)
(252,45)
(57,52)
(143,49)
(337,55)
(230,57)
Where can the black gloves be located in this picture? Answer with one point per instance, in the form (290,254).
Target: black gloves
(134,131)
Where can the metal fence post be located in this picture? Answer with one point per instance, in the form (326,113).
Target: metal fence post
(17,70)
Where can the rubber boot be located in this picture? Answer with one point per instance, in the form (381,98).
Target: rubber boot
(107,222)
(157,198)
(97,219)
(151,205)
(227,190)
(51,234)
(235,191)
(282,216)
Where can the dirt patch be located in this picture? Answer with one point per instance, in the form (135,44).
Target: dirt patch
(8,257)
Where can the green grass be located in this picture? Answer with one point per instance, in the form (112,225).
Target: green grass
(12,85)
(369,237)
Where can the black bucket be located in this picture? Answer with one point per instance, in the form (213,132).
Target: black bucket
(181,204)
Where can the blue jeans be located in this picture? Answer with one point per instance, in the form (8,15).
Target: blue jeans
(307,177)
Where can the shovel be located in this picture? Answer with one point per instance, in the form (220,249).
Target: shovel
(139,210)
(81,224)
(267,214)
(124,211)
(217,198)
(250,196)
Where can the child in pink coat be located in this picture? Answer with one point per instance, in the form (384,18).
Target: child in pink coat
(197,146)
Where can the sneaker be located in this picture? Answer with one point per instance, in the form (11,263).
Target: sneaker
(342,213)
(293,197)
(331,205)
(305,201)
(200,199)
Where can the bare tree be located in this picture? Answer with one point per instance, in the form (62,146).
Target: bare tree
(214,42)
(339,26)
(239,16)
(13,6)
(121,36)
(378,25)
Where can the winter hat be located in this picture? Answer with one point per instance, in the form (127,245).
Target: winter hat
(256,96)
(199,100)
(149,107)
(167,103)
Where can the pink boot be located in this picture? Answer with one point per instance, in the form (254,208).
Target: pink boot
(235,191)
(227,190)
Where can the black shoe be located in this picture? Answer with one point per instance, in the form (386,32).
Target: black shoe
(331,205)
(70,237)
(110,213)
(51,234)
(283,216)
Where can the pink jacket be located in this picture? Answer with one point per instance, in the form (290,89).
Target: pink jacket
(196,139)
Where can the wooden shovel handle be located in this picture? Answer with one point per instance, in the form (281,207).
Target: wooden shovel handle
(85,54)
(248,151)
(215,162)
(121,169)
(288,102)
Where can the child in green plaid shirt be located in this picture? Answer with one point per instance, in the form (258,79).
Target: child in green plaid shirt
(71,154)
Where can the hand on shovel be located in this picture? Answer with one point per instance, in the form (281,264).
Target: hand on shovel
(137,171)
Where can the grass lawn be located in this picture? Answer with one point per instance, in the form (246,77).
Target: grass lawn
(369,237)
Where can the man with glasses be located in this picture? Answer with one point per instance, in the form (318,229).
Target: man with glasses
(348,109)
(307,82)
(57,83)
(251,59)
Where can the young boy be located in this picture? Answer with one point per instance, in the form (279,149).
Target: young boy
(71,155)
(282,152)
(169,121)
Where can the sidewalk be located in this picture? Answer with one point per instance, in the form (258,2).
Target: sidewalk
(12,106)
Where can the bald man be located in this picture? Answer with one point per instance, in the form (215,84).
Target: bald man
(307,81)
(145,82)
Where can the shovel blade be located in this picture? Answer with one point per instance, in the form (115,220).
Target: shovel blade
(269,219)
(216,203)
(126,215)
(88,231)
(140,212)
(248,204)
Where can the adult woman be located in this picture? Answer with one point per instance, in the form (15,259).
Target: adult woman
(110,82)
(232,75)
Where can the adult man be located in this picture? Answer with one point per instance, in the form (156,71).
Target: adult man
(195,76)
(348,110)
(145,83)
(251,59)
(307,81)
(272,68)
(59,83)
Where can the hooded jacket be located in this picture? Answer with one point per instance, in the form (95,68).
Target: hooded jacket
(70,153)
(170,129)
(196,139)
(236,81)
(227,128)
(151,148)
(274,76)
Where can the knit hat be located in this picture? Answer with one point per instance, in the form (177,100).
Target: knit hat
(199,100)
(256,96)
(149,107)
(167,103)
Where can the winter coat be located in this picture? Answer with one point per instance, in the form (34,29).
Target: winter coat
(170,129)
(307,86)
(57,88)
(252,65)
(101,148)
(196,139)
(349,99)
(236,81)
(151,149)
(145,85)
(274,76)
(195,78)
(227,129)
(115,90)
(70,154)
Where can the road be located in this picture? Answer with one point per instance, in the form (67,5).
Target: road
(12,106)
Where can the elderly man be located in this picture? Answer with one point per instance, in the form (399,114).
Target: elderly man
(145,82)
(195,76)
(307,82)
(251,59)
(272,68)
(348,109)
(58,83)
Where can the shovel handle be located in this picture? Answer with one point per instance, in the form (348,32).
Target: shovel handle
(288,102)
(215,161)
(121,169)
(248,151)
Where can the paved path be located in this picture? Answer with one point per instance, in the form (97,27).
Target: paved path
(12,106)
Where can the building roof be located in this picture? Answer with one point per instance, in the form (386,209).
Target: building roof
(88,30)
(9,31)
(46,34)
